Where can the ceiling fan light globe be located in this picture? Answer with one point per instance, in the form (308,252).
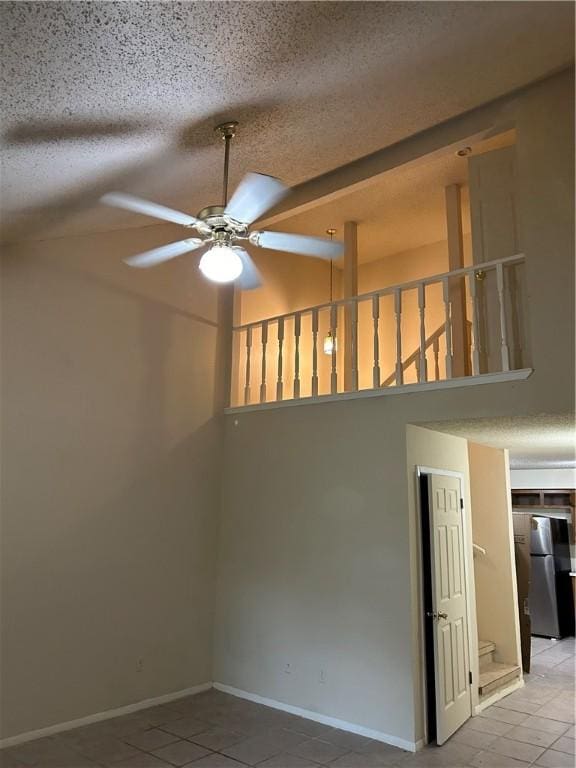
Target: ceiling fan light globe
(221,264)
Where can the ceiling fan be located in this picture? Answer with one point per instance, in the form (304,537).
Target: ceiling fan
(222,227)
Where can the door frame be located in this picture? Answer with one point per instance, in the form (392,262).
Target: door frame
(470,589)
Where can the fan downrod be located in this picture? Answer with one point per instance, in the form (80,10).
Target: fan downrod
(213,215)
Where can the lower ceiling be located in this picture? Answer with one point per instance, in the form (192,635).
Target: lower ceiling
(115,95)
(543,440)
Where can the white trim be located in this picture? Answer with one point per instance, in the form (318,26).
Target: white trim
(11,741)
(405,389)
(499,694)
(420,470)
(342,725)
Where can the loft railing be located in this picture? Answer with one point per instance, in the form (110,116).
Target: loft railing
(433,341)
(480,331)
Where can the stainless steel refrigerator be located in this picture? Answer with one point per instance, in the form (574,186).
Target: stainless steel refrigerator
(550,599)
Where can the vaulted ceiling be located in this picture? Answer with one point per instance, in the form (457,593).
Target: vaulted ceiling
(107,95)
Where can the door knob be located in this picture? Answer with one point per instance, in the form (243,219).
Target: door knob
(439,615)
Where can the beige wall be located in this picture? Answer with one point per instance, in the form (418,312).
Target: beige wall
(495,572)
(314,564)
(318,517)
(110,460)
(290,283)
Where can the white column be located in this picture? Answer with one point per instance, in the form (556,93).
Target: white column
(457,286)
(350,286)
(422,364)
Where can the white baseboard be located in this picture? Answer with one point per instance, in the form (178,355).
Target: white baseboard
(499,694)
(12,741)
(411,746)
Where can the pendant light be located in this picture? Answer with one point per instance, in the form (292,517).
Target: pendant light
(330,343)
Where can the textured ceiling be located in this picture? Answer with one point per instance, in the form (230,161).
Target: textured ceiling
(402,209)
(100,95)
(543,440)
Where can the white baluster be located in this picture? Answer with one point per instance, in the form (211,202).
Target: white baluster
(475,324)
(503,330)
(423,368)
(263,375)
(279,383)
(333,328)
(447,326)
(297,328)
(398,315)
(354,344)
(436,350)
(314,353)
(247,374)
(376,366)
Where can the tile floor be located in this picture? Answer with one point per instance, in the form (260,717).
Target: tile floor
(533,726)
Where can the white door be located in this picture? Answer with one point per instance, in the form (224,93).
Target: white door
(451,663)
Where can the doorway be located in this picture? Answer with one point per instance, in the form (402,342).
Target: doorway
(445,603)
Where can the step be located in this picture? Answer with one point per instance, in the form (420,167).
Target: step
(486,650)
(485,646)
(496,675)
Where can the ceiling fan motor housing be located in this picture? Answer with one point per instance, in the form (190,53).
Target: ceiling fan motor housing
(215,218)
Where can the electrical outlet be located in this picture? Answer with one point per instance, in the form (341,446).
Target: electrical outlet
(288,669)
(140,664)
(322,676)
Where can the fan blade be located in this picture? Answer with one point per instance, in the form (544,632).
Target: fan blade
(319,247)
(164,252)
(131,203)
(250,277)
(255,194)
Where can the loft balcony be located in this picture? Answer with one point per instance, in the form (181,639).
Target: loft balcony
(457,328)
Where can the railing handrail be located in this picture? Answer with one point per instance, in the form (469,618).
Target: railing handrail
(387,290)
